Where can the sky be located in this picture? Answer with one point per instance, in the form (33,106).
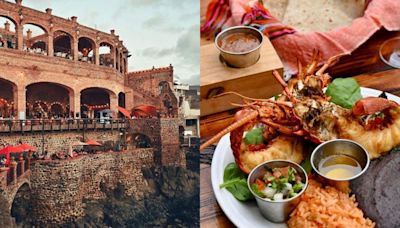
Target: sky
(156,32)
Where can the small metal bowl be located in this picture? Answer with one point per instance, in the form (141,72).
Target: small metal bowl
(339,147)
(276,211)
(242,59)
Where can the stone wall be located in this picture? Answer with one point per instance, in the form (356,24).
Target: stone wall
(172,154)
(164,133)
(58,188)
(57,141)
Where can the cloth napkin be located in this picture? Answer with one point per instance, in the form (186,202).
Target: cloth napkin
(291,44)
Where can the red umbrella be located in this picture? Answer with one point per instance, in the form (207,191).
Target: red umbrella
(25,147)
(7,150)
(124,112)
(93,143)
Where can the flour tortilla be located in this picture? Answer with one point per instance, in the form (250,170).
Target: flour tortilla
(316,15)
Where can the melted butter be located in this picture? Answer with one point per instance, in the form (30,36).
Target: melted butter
(339,167)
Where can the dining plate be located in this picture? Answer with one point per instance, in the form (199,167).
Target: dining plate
(246,214)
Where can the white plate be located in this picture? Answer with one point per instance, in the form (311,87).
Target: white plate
(247,214)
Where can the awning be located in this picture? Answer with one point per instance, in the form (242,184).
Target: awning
(93,143)
(79,144)
(144,111)
(124,112)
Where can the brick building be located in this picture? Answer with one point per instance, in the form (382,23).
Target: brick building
(69,70)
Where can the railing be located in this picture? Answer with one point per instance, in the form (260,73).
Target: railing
(17,169)
(35,125)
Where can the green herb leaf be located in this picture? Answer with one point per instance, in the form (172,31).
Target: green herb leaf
(254,137)
(232,171)
(344,92)
(238,188)
(236,183)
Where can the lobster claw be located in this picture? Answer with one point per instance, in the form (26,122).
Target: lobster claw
(371,105)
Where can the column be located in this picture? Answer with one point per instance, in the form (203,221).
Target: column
(112,53)
(20,37)
(21,103)
(97,54)
(75,48)
(50,47)
(113,105)
(75,104)
(116,55)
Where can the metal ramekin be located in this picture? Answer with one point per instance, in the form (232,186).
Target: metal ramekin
(276,211)
(243,59)
(339,147)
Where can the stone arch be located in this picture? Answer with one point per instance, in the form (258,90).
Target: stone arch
(8,98)
(94,99)
(9,37)
(35,43)
(36,23)
(41,94)
(106,56)
(86,49)
(63,44)
(139,140)
(163,87)
(20,205)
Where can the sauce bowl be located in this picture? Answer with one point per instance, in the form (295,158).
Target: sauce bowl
(339,147)
(242,59)
(276,211)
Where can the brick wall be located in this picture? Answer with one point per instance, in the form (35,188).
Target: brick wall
(59,187)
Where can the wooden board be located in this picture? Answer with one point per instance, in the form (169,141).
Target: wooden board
(255,81)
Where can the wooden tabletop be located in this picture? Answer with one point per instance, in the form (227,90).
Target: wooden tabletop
(364,65)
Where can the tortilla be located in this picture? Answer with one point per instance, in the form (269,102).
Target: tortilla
(316,15)
(377,190)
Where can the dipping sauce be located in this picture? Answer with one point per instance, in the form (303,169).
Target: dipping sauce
(339,167)
(239,42)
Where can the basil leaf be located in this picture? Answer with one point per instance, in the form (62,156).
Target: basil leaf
(344,92)
(254,137)
(233,171)
(236,183)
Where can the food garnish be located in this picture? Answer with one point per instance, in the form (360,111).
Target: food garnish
(235,182)
(278,184)
(344,92)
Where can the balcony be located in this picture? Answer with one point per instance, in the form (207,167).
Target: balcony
(41,125)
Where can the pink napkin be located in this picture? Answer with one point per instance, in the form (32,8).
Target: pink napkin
(338,42)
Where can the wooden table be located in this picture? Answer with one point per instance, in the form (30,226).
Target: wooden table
(364,65)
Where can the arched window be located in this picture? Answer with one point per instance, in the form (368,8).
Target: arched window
(40,105)
(62,45)
(86,48)
(106,56)
(8,35)
(35,39)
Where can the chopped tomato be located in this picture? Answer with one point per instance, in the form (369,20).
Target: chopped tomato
(285,171)
(253,147)
(260,184)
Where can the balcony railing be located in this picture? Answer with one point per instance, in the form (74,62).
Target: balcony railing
(35,125)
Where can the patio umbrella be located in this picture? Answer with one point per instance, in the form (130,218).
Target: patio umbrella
(93,143)
(7,150)
(124,112)
(25,147)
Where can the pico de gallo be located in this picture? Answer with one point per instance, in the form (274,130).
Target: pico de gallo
(278,184)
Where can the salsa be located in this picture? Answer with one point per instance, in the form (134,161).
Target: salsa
(239,42)
(278,184)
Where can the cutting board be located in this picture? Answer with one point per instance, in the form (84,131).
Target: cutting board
(255,81)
